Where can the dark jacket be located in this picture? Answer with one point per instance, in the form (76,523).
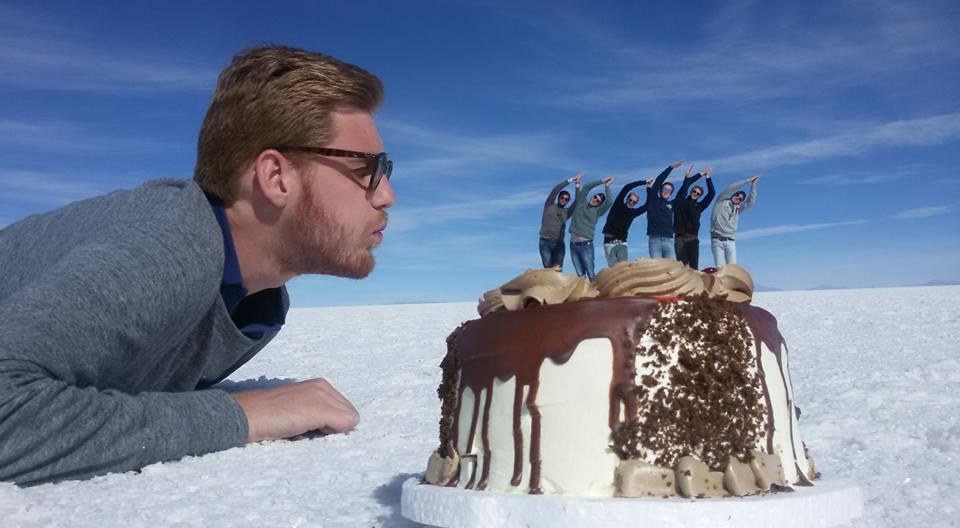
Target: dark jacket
(554,216)
(659,211)
(621,216)
(687,211)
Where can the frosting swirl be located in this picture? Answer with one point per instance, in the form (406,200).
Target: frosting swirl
(637,278)
(536,287)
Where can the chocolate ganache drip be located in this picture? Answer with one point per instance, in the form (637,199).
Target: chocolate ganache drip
(507,344)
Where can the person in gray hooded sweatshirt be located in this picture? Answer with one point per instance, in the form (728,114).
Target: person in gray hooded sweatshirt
(554,222)
(583,224)
(119,314)
(725,217)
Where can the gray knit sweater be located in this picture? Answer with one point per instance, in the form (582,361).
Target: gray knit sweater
(111,319)
(583,218)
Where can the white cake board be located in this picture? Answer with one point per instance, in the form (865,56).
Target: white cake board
(827,503)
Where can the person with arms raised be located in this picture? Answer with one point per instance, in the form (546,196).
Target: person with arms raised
(686,217)
(725,218)
(622,214)
(660,214)
(553,224)
(583,225)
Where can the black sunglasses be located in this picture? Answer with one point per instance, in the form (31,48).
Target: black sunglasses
(379,165)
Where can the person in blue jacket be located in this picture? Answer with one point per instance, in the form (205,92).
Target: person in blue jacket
(660,214)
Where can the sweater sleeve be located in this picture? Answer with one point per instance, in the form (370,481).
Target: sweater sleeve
(731,189)
(552,197)
(637,211)
(751,199)
(655,190)
(711,192)
(687,182)
(81,331)
(606,205)
(581,200)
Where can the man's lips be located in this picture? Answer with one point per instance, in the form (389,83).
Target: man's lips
(378,233)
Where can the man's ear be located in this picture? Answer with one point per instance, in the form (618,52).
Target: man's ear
(273,175)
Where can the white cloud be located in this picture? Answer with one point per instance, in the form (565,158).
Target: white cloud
(792,228)
(42,187)
(74,138)
(795,54)
(410,218)
(922,212)
(40,53)
(449,152)
(935,130)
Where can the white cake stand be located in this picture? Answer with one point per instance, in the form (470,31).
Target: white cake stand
(827,503)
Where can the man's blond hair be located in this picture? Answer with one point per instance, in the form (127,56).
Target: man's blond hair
(274,96)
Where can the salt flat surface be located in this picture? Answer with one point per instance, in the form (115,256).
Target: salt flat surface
(876,373)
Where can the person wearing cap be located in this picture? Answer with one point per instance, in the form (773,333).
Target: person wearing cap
(731,202)
(660,214)
(686,217)
(553,224)
(621,216)
(119,314)
(583,225)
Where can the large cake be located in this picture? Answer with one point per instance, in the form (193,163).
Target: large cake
(653,381)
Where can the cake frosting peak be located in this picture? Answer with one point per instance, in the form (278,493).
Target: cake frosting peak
(636,278)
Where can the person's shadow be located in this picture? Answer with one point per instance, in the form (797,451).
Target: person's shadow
(389,495)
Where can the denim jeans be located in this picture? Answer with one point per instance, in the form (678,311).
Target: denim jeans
(688,250)
(551,252)
(724,251)
(661,247)
(616,252)
(582,255)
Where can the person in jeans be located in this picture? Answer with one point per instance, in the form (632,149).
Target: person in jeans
(686,217)
(622,214)
(724,219)
(660,214)
(583,223)
(555,214)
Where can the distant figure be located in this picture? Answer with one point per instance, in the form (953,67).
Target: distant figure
(583,224)
(618,222)
(555,214)
(660,215)
(686,218)
(724,218)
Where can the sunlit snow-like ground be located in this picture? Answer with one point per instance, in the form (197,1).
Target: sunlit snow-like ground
(876,373)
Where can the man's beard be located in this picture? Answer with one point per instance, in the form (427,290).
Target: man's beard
(320,245)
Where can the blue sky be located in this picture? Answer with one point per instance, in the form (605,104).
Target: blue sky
(851,110)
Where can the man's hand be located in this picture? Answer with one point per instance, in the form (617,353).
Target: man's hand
(578,177)
(294,409)
(708,172)
(676,164)
(689,171)
(650,183)
(755,179)
(607,181)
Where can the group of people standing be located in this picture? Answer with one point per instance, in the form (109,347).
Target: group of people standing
(673,222)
